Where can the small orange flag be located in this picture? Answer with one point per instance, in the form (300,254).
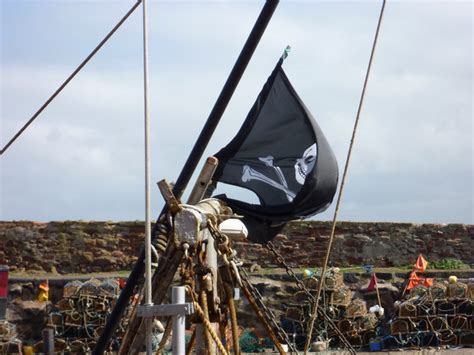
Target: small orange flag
(414,281)
(421,264)
(372,283)
(428,282)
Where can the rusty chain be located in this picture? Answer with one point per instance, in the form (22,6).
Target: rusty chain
(280,260)
(228,254)
(271,318)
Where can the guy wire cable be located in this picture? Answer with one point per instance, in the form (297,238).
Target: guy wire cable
(77,70)
(346,167)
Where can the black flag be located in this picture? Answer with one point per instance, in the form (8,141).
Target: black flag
(281,154)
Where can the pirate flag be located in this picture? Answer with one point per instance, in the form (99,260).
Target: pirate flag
(280,154)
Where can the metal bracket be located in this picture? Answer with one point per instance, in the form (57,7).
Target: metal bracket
(165,310)
(167,193)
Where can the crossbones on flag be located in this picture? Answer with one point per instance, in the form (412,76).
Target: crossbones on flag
(281,154)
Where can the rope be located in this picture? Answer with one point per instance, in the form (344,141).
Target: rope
(78,69)
(191,343)
(166,337)
(328,252)
(209,328)
(205,310)
(233,317)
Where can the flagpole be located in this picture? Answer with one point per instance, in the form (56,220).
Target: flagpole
(377,289)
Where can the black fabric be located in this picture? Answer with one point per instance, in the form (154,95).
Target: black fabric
(281,154)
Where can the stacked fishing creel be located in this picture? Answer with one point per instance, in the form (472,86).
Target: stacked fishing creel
(333,279)
(71,289)
(9,343)
(438,290)
(358,324)
(470,290)
(79,317)
(440,315)
(341,296)
(348,314)
(457,290)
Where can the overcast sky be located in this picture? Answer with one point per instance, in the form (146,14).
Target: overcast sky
(83,157)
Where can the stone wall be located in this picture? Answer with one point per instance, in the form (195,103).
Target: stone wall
(83,247)
(70,247)
(356,243)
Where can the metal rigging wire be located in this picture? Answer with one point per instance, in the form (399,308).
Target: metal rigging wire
(328,252)
(78,69)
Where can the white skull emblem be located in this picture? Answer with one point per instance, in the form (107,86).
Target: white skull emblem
(305,164)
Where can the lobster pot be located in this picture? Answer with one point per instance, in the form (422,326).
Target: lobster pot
(12,346)
(7,330)
(446,308)
(110,287)
(345,326)
(294,314)
(368,336)
(447,338)
(311,283)
(457,290)
(91,287)
(460,322)
(355,341)
(71,288)
(101,305)
(426,309)
(466,339)
(341,296)
(78,346)
(56,319)
(439,324)
(429,339)
(400,326)
(423,325)
(72,318)
(300,296)
(470,291)
(419,290)
(407,310)
(60,345)
(389,342)
(438,290)
(66,304)
(367,322)
(333,280)
(356,308)
(465,307)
